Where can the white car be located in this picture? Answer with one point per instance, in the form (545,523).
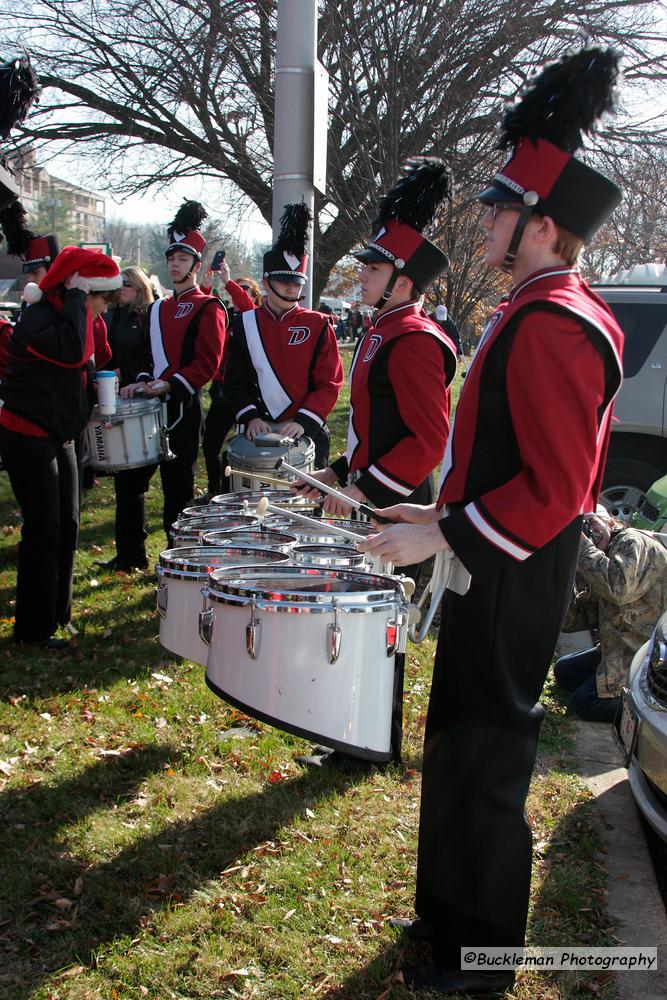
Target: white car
(642,729)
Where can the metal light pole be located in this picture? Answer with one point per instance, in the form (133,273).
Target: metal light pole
(297,71)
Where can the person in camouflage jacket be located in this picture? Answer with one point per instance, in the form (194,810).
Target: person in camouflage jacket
(626,569)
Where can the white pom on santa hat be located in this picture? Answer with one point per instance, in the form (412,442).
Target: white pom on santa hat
(32,293)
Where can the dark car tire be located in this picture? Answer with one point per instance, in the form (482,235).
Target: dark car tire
(626,482)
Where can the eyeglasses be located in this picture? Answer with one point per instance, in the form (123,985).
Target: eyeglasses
(500,206)
(246,288)
(127,284)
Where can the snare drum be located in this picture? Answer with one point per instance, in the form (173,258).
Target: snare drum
(310,651)
(181,575)
(252,459)
(133,436)
(189,530)
(282,541)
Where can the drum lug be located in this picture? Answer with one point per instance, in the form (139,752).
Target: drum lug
(206,625)
(253,634)
(393,633)
(162,598)
(334,636)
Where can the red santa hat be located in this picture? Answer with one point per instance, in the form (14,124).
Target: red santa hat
(101,272)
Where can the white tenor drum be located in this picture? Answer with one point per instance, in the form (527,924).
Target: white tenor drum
(181,575)
(253,459)
(133,436)
(283,541)
(311,651)
(190,530)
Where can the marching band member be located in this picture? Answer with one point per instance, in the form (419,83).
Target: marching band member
(404,362)
(401,372)
(283,364)
(51,359)
(187,339)
(245,294)
(524,460)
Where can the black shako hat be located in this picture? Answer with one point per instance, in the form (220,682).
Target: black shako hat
(34,250)
(409,207)
(18,89)
(544,128)
(287,259)
(183,232)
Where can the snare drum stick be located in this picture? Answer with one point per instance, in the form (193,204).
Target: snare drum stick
(257,475)
(264,507)
(343,497)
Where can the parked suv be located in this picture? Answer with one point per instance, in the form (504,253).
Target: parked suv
(638,446)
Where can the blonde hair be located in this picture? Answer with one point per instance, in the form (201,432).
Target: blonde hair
(568,246)
(254,290)
(145,293)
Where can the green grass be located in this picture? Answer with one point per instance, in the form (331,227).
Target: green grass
(145,855)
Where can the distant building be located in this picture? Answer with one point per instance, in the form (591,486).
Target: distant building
(86,211)
(41,194)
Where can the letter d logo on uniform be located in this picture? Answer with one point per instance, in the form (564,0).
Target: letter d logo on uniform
(298,335)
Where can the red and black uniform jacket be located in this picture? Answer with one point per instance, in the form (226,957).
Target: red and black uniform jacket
(285,368)
(528,447)
(50,360)
(399,405)
(187,334)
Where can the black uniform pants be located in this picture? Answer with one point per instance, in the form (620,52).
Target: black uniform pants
(178,474)
(219,421)
(44,479)
(494,651)
(130,487)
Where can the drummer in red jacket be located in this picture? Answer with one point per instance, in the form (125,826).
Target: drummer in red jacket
(524,461)
(283,364)
(187,337)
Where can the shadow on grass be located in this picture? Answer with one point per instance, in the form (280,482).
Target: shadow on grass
(117,897)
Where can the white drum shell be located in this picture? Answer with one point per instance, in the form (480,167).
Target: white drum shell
(292,685)
(180,599)
(128,439)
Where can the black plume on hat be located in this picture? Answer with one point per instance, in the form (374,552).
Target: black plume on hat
(565,100)
(190,216)
(416,198)
(18,89)
(294,223)
(13,222)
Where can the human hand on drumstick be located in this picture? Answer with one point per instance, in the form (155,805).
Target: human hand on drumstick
(326,476)
(256,427)
(292,430)
(404,544)
(338,508)
(408,513)
(133,389)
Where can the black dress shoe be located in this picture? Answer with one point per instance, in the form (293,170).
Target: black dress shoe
(416,930)
(432,978)
(326,757)
(117,565)
(51,645)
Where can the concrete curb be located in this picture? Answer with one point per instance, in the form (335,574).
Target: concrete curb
(633,899)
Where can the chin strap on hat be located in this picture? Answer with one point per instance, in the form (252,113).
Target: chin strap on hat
(530,200)
(399,264)
(284,298)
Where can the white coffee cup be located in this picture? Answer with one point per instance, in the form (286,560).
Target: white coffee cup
(106,392)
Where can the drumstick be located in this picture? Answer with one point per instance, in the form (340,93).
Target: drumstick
(363,508)
(256,475)
(264,506)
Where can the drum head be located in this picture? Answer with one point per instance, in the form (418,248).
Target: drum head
(340,556)
(201,561)
(264,537)
(303,588)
